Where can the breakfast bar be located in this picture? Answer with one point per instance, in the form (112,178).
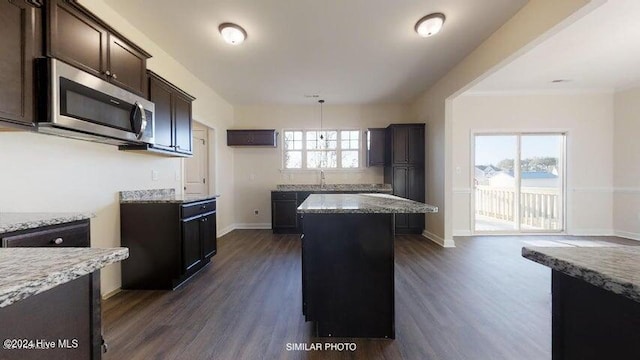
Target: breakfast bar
(595,300)
(348,262)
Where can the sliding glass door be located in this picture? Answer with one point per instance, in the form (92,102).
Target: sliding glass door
(518,183)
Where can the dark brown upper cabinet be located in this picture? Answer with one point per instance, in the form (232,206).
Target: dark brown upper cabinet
(79,38)
(375,146)
(405,144)
(266,138)
(20,44)
(172,115)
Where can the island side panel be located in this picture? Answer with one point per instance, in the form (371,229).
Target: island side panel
(592,323)
(348,274)
(62,315)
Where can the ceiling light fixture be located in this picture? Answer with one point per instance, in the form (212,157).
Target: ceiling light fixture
(430,24)
(321,134)
(232,33)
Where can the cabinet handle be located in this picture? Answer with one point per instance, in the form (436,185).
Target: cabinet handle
(114,76)
(108,73)
(57,241)
(203,207)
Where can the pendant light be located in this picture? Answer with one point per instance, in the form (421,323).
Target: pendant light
(321,134)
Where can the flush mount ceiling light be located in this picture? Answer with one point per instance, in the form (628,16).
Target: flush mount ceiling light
(430,24)
(232,33)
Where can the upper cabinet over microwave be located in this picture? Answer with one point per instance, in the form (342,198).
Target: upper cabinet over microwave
(79,38)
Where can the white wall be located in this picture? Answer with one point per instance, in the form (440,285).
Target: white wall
(537,20)
(257,170)
(627,164)
(43,173)
(588,121)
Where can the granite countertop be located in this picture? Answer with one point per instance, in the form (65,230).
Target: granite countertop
(10,221)
(160,196)
(336,187)
(30,271)
(616,269)
(362,204)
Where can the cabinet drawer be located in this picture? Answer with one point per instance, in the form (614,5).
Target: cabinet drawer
(68,235)
(195,209)
(283,196)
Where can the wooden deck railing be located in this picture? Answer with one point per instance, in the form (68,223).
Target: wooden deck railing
(539,206)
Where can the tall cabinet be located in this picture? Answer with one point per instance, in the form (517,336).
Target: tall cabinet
(404,169)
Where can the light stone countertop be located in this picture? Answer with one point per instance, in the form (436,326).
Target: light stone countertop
(616,269)
(362,204)
(30,271)
(386,188)
(10,221)
(160,196)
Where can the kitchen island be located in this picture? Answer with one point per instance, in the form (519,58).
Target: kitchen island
(595,300)
(348,262)
(50,301)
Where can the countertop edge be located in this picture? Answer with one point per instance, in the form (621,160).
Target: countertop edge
(168,201)
(39,285)
(56,220)
(595,278)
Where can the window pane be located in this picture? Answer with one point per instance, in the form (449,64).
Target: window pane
(297,135)
(314,159)
(288,135)
(297,144)
(331,144)
(349,159)
(292,159)
(354,144)
(331,135)
(345,144)
(332,159)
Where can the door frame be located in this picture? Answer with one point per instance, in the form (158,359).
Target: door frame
(563,183)
(211,159)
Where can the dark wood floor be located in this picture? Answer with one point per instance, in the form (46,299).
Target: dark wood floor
(481,300)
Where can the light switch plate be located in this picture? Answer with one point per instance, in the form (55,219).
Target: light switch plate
(154,175)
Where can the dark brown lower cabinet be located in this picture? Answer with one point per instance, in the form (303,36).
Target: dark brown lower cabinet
(68,314)
(591,323)
(168,242)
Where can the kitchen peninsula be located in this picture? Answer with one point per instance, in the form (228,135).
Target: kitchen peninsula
(348,262)
(595,300)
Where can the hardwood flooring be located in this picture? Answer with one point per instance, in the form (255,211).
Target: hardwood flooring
(480,300)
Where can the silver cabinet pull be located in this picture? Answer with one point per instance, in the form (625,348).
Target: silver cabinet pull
(114,76)
(58,241)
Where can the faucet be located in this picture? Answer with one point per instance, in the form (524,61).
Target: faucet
(322,179)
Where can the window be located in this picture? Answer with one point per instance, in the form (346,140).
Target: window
(326,149)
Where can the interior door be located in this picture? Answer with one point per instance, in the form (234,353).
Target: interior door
(196,167)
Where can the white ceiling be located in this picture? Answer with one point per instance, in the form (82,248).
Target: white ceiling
(600,51)
(348,51)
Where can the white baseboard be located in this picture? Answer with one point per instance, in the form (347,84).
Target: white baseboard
(462,233)
(627,235)
(449,243)
(244,226)
(248,226)
(226,230)
(591,232)
(111,293)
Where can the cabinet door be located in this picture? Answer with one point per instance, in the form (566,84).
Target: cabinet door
(76,39)
(127,65)
(400,176)
(208,233)
(182,118)
(375,147)
(415,184)
(284,214)
(400,145)
(19,45)
(191,245)
(160,94)
(416,145)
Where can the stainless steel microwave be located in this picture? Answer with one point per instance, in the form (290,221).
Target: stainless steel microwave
(76,104)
